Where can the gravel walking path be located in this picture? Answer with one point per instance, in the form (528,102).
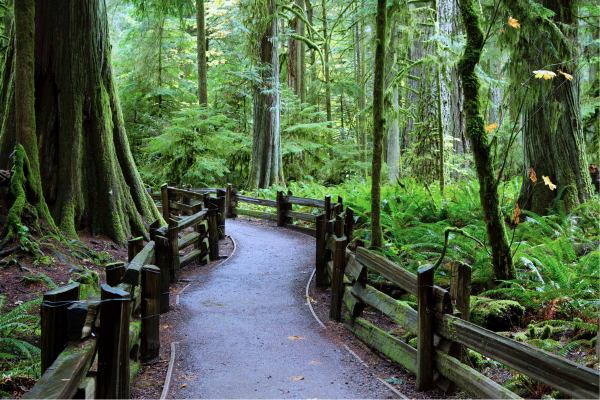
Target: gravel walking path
(248,332)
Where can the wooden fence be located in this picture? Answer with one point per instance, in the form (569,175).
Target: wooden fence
(120,327)
(441,336)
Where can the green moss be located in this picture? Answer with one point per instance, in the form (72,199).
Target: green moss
(546,332)
(521,337)
(495,315)
(413,342)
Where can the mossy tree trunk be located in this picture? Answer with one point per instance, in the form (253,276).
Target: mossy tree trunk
(391,104)
(296,59)
(87,173)
(326,61)
(475,129)
(201,48)
(553,142)
(378,124)
(267,166)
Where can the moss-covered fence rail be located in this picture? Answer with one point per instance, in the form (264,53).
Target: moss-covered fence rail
(440,334)
(93,348)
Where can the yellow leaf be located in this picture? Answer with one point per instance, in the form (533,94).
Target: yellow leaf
(297,378)
(514,22)
(544,74)
(532,175)
(548,182)
(295,337)
(184,385)
(568,76)
(516,214)
(491,127)
(315,362)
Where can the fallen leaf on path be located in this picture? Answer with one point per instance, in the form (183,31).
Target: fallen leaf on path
(297,378)
(315,362)
(184,385)
(295,337)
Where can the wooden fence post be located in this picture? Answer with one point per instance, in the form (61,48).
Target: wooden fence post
(164,190)
(113,344)
(54,326)
(186,200)
(233,210)
(228,200)
(173,236)
(213,236)
(327,208)
(340,204)
(150,343)
(280,209)
(153,228)
(220,201)
(288,207)
(162,253)
(425,351)
(349,224)
(337,282)
(338,226)
(134,246)
(207,201)
(320,253)
(114,272)
(460,287)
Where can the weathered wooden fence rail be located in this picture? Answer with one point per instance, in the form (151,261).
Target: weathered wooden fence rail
(120,327)
(440,334)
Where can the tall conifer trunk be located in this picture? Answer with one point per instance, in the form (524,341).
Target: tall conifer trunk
(553,138)
(267,165)
(201,48)
(88,175)
(378,125)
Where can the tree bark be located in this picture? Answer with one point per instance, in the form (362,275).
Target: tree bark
(378,125)
(267,166)
(326,60)
(391,104)
(201,46)
(475,128)
(88,175)
(296,57)
(553,136)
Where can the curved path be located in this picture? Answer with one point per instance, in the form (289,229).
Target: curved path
(239,320)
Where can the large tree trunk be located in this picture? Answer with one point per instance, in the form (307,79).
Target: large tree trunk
(553,136)
(475,128)
(378,125)
(267,166)
(391,104)
(451,87)
(201,47)
(326,60)
(88,175)
(296,57)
